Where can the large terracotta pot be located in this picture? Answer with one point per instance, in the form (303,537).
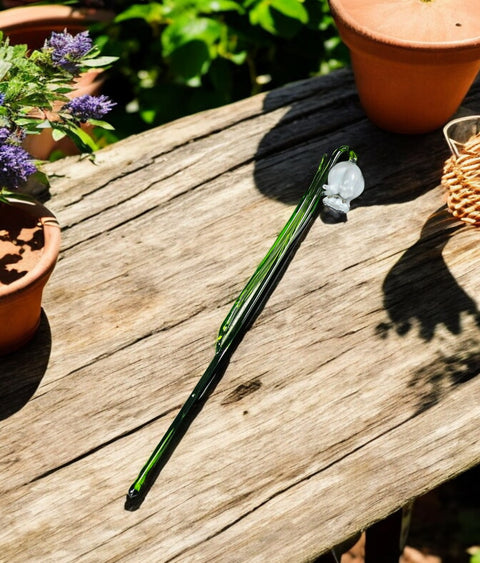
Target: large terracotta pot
(31,25)
(413,60)
(29,247)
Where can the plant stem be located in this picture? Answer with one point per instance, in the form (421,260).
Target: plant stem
(244,310)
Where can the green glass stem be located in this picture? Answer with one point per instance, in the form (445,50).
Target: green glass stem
(244,310)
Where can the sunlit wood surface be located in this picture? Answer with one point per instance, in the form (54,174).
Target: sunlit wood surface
(356,389)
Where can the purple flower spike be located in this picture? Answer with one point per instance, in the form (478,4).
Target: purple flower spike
(88,107)
(2,99)
(68,50)
(15,166)
(14,137)
(4,134)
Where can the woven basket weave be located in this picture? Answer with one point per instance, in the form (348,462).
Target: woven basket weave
(461,178)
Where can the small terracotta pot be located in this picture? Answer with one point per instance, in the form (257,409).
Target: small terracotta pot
(413,60)
(31,25)
(29,248)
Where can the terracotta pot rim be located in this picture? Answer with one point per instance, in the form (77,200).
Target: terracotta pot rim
(51,14)
(427,46)
(48,259)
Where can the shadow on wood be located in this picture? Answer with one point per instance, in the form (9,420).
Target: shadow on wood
(420,289)
(420,292)
(319,122)
(23,370)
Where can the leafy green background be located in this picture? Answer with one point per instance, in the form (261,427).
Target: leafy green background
(178,57)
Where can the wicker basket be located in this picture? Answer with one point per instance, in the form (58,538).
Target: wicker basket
(461,179)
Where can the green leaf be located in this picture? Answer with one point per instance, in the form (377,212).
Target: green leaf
(81,138)
(148,115)
(57,134)
(292,9)
(190,61)
(475,557)
(26,121)
(238,58)
(101,123)
(7,196)
(99,62)
(211,6)
(261,15)
(152,12)
(187,29)
(4,68)
(279,17)
(45,124)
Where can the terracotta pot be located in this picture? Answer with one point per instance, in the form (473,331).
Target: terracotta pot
(29,248)
(413,60)
(31,25)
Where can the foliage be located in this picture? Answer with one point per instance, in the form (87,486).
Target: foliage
(34,88)
(177,57)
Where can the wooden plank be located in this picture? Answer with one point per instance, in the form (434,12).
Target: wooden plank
(370,397)
(194,500)
(210,450)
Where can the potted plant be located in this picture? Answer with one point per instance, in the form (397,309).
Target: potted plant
(413,60)
(31,25)
(34,89)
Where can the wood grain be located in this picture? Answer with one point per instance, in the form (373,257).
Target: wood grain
(356,389)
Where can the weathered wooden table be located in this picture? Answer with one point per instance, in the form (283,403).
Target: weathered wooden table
(355,391)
